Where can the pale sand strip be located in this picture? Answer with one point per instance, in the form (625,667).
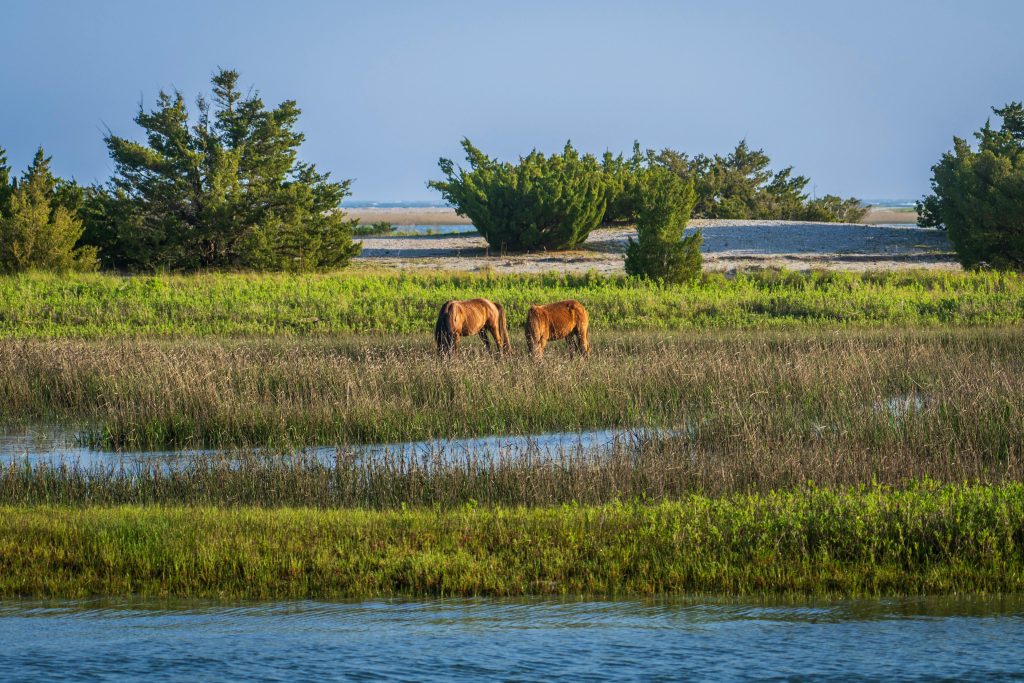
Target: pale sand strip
(728,246)
(443,216)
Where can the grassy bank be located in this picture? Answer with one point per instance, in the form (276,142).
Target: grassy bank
(931,393)
(875,541)
(40,305)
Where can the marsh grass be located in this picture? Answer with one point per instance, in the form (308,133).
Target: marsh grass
(863,541)
(95,305)
(640,467)
(933,393)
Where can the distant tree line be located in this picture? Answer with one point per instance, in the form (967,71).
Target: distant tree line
(225,189)
(554,202)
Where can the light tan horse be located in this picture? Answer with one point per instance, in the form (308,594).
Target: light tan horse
(561,320)
(473,316)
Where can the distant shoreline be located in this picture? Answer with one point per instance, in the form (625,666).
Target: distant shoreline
(446,216)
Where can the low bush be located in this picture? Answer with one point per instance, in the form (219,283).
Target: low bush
(661,251)
(542,202)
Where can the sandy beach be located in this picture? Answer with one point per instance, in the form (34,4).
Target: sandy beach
(728,246)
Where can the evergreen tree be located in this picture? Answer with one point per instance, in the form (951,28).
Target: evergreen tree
(978,196)
(661,251)
(540,203)
(226,191)
(6,182)
(621,184)
(742,185)
(36,229)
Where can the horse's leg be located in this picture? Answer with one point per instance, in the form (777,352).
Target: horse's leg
(487,342)
(573,341)
(538,352)
(495,331)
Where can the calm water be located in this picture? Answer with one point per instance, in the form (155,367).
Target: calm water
(54,446)
(516,641)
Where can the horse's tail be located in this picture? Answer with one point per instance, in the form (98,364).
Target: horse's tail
(444,330)
(583,328)
(504,344)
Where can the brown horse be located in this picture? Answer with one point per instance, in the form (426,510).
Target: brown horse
(473,316)
(565,319)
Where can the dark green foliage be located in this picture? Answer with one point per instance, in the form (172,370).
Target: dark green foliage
(832,209)
(979,195)
(225,191)
(540,203)
(39,225)
(741,185)
(622,177)
(378,228)
(664,202)
(6,186)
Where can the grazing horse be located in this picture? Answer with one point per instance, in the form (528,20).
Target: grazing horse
(473,316)
(565,319)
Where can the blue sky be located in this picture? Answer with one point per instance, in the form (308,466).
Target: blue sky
(861,96)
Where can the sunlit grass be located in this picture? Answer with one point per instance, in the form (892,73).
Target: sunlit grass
(865,541)
(42,305)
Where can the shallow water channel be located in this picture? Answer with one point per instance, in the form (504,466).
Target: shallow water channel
(53,446)
(521,640)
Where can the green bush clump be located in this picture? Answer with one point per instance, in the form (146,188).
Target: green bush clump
(39,224)
(622,178)
(543,202)
(660,250)
(978,196)
(377,228)
(740,185)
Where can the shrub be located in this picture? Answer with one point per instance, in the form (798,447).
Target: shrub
(833,209)
(621,177)
(540,203)
(225,191)
(741,185)
(378,228)
(38,230)
(664,202)
(978,196)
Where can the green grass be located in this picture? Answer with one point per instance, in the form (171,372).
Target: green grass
(96,305)
(864,541)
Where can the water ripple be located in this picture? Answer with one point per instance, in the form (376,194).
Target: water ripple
(521,640)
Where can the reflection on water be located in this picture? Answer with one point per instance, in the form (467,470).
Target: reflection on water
(55,447)
(912,639)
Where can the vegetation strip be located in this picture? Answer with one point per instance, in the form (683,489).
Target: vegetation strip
(933,393)
(872,541)
(92,305)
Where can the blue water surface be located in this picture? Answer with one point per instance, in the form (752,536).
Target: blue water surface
(518,640)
